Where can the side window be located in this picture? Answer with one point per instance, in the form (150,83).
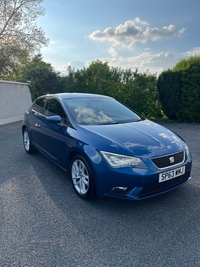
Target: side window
(53,107)
(39,105)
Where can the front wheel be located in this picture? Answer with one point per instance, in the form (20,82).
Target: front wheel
(82,178)
(29,148)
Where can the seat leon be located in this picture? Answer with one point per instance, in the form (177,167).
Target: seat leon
(108,149)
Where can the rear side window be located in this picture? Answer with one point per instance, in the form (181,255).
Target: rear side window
(39,105)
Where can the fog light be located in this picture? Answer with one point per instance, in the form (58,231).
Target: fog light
(117,188)
(119,191)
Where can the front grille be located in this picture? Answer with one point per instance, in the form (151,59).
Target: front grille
(156,187)
(164,162)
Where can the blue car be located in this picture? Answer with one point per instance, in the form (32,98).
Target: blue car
(107,149)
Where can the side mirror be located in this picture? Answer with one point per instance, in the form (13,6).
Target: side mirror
(54,119)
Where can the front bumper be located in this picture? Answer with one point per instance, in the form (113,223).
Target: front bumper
(136,184)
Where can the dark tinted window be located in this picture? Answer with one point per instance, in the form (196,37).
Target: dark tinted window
(39,105)
(53,107)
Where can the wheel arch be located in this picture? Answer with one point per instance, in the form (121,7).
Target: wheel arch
(73,153)
(23,128)
(87,159)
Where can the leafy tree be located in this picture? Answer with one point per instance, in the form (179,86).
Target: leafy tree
(97,77)
(41,77)
(94,79)
(140,93)
(74,81)
(18,32)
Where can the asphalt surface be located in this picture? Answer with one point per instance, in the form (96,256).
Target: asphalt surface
(43,222)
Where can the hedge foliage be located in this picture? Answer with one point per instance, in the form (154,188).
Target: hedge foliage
(179,91)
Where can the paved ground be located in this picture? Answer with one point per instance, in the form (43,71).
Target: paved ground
(43,223)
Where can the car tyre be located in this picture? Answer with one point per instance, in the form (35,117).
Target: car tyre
(82,177)
(28,146)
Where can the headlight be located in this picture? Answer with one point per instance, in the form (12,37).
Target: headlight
(121,161)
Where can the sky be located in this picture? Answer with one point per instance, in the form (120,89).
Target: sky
(148,35)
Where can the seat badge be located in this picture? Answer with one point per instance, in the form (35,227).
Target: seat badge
(171,159)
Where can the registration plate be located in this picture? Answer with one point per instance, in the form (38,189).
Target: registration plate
(165,176)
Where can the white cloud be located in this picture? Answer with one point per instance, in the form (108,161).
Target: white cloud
(112,52)
(63,69)
(181,31)
(133,31)
(153,62)
(76,64)
(147,61)
(155,33)
(195,51)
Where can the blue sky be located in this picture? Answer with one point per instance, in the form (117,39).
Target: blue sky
(150,35)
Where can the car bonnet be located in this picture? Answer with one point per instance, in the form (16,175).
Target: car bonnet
(144,139)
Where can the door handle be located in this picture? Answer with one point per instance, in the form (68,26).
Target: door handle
(37,125)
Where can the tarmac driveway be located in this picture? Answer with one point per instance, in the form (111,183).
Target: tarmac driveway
(44,224)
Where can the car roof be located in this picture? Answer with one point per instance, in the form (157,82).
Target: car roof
(74,95)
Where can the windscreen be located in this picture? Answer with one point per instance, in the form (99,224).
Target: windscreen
(99,111)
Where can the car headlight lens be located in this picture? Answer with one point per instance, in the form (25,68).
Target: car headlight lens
(121,161)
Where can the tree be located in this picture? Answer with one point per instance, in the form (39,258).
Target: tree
(140,93)
(19,32)
(97,77)
(41,77)
(94,79)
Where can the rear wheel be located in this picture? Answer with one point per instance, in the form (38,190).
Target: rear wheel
(82,177)
(29,148)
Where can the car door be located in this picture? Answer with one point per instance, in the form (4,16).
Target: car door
(37,116)
(54,136)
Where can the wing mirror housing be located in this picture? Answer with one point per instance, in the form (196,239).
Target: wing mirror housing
(54,119)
